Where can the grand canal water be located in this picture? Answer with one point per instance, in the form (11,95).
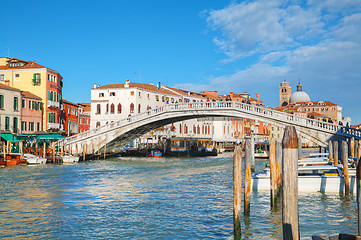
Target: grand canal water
(148,198)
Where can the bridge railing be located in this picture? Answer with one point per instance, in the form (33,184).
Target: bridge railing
(243,107)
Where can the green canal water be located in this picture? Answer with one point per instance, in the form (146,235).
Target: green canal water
(150,198)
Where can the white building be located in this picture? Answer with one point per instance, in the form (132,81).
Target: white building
(112,102)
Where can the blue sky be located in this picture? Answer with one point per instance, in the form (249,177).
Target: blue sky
(196,45)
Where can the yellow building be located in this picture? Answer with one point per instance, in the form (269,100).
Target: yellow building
(39,80)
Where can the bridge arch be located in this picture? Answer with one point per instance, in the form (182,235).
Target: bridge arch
(119,133)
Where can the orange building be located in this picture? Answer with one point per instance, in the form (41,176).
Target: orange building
(71,117)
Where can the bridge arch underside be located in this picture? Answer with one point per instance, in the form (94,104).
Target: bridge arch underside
(119,137)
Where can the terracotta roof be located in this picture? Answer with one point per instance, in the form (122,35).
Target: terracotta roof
(28,65)
(71,103)
(30,95)
(187,93)
(139,85)
(8,87)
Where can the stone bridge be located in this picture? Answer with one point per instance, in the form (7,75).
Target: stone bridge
(117,134)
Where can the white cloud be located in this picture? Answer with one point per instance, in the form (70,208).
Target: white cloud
(317,41)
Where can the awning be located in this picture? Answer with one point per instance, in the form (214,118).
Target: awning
(7,136)
(24,137)
(49,137)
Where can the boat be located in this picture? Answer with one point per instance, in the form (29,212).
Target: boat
(327,179)
(261,150)
(33,159)
(198,147)
(155,153)
(12,159)
(68,158)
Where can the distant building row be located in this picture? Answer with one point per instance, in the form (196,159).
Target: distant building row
(31,100)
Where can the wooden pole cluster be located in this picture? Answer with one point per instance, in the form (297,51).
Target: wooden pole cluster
(290,184)
(335,153)
(330,151)
(247,177)
(344,158)
(237,192)
(279,166)
(273,173)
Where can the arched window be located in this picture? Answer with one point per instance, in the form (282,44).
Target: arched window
(98,124)
(112,108)
(138,108)
(98,109)
(119,108)
(131,108)
(107,110)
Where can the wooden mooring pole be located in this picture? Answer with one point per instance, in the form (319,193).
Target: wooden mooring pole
(344,158)
(279,166)
(44,150)
(4,152)
(247,177)
(105,150)
(21,149)
(358,192)
(237,192)
(53,148)
(273,173)
(330,151)
(335,153)
(352,147)
(290,184)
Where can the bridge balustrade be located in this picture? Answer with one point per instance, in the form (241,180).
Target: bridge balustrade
(244,107)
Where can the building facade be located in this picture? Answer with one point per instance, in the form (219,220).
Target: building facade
(10,112)
(31,113)
(41,81)
(84,117)
(71,118)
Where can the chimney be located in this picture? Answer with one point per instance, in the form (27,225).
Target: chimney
(257,97)
(127,83)
(95,85)
(152,84)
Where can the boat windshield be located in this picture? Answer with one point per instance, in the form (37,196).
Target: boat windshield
(317,172)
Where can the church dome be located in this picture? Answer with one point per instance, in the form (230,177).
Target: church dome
(299,96)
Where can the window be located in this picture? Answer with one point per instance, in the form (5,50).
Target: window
(138,108)
(139,94)
(107,109)
(101,94)
(148,96)
(22,103)
(16,104)
(131,108)
(157,98)
(15,124)
(112,94)
(119,108)
(7,123)
(2,77)
(1,101)
(98,124)
(98,109)
(31,126)
(23,126)
(51,118)
(163,98)
(36,79)
(17,75)
(14,64)
(37,126)
(112,108)
(132,93)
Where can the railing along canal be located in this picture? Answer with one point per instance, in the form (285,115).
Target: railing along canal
(259,111)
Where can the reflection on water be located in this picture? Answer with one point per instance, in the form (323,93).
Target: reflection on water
(150,198)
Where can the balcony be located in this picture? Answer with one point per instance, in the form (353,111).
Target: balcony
(52,104)
(52,125)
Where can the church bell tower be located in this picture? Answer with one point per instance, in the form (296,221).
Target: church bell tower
(285,93)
